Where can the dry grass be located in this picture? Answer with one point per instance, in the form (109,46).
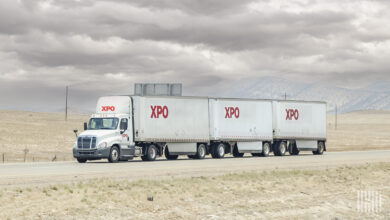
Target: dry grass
(43,134)
(363,130)
(295,194)
(47,134)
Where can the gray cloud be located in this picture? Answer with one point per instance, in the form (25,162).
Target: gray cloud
(103,47)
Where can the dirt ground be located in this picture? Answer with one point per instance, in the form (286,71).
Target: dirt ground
(46,135)
(293,194)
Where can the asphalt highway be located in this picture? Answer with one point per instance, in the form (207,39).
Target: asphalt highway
(21,174)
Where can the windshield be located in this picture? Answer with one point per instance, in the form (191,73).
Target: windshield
(103,123)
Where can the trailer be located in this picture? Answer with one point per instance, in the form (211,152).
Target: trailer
(178,124)
(298,126)
(240,126)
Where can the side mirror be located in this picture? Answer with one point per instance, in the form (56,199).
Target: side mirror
(123,126)
(85,126)
(75,131)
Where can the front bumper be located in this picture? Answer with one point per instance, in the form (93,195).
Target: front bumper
(91,154)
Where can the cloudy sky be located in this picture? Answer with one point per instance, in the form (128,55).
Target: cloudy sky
(103,47)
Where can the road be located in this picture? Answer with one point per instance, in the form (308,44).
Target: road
(22,174)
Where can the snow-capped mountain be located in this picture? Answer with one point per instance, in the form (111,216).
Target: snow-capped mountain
(375,96)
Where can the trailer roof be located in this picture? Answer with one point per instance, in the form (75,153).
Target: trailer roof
(225,98)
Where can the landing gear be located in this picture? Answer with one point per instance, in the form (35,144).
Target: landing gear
(169,156)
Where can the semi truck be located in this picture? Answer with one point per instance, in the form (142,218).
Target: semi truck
(124,127)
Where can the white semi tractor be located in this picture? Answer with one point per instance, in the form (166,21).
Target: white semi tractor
(125,127)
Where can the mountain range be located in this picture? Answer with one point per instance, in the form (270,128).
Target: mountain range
(373,97)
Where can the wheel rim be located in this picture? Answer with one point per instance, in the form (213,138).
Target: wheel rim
(152,152)
(221,151)
(201,151)
(114,154)
(320,148)
(266,149)
(282,149)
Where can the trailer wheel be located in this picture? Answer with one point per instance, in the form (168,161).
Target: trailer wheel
(168,156)
(293,149)
(236,153)
(151,153)
(266,149)
(213,150)
(281,148)
(201,151)
(220,151)
(320,149)
(81,160)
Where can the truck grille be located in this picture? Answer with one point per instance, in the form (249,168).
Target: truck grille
(86,142)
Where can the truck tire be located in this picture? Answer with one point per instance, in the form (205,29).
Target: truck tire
(201,151)
(81,160)
(213,149)
(220,150)
(114,155)
(320,149)
(266,149)
(151,153)
(281,148)
(236,153)
(168,156)
(293,149)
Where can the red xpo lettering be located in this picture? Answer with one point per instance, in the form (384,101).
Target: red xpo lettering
(292,113)
(232,111)
(158,110)
(108,108)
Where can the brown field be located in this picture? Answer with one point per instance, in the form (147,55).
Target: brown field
(47,135)
(291,194)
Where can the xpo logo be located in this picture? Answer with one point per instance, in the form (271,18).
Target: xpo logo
(292,114)
(158,110)
(232,112)
(108,108)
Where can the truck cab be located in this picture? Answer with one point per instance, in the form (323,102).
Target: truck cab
(109,132)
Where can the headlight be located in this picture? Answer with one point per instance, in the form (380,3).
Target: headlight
(102,145)
(75,145)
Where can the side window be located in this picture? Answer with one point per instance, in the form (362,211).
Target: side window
(123,125)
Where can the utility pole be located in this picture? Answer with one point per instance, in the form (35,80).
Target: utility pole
(285,95)
(66,104)
(335,124)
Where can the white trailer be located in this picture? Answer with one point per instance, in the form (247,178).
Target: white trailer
(179,123)
(240,126)
(299,126)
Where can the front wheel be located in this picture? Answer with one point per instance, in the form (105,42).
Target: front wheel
(81,160)
(114,155)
